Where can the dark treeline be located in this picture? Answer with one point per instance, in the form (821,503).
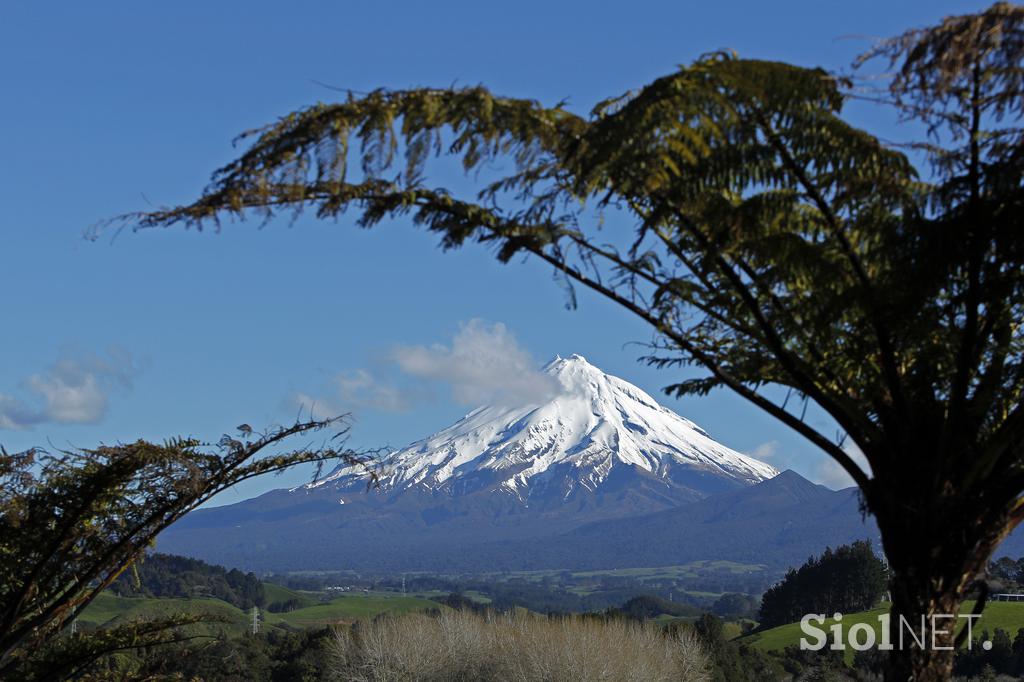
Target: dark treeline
(649,606)
(734,605)
(274,656)
(315,582)
(1006,657)
(848,579)
(167,575)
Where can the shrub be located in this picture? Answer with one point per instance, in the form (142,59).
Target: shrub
(459,645)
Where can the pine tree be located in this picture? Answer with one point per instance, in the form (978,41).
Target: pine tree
(845,580)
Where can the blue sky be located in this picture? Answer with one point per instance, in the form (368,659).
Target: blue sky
(118,106)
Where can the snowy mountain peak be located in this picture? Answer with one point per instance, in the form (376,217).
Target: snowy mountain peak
(594,426)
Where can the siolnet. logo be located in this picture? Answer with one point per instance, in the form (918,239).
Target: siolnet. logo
(861,636)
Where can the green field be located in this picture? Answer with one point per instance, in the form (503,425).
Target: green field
(1005,615)
(109,609)
(277,594)
(349,608)
(693,569)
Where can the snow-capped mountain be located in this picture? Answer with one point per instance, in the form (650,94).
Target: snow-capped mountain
(594,429)
(506,488)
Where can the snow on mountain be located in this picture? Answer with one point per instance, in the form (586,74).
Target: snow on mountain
(595,426)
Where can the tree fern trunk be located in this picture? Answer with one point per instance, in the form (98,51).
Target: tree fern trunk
(932,662)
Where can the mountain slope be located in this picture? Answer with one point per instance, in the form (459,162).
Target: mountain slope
(591,425)
(777,523)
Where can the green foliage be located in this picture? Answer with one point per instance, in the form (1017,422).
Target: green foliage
(281,599)
(108,611)
(166,575)
(731,661)
(275,656)
(1006,575)
(459,602)
(850,578)
(825,665)
(734,605)
(1005,657)
(963,78)
(72,656)
(72,522)
(648,606)
(290,604)
(210,616)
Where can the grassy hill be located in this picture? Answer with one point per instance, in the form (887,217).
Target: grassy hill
(1005,615)
(277,595)
(354,607)
(109,609)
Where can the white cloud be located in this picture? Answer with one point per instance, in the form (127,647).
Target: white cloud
(361,388)
(73,390)
(484,365)
(317,408)
(832,475)
(765,451)
(352,390)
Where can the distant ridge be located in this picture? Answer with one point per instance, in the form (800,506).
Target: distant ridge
(779,522)
(776,523)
